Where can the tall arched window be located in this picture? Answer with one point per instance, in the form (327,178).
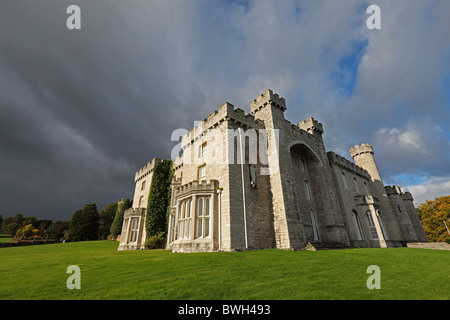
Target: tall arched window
(307,190)
(203,217)
(359,233)
(314,225)
(184,220)
(373,228)
(302,165)
(380,221)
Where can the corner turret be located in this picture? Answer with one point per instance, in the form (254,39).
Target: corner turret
(312,126)
(267,98)
(363,157)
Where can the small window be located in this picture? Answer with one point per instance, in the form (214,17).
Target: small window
(302,165)
(141,202)
(307,190)
(143,185)
(202,173)
(203,149)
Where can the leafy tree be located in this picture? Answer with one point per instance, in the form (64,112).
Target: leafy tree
(116,226)
(433,214)
(159,199)
(25,232)
(58,230)
(30,220)
(12,224)
(43,226)
(84,224)
(106,218)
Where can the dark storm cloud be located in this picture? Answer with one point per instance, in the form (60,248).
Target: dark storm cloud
(82,110)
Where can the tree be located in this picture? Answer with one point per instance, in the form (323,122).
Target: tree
(30,220)
(159,200)
(433,214)
(84,223)
(59,230)
(106,218)
(116,226)
(24,232)
(12,224)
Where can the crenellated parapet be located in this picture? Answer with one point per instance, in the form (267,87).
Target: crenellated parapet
(361,149)
(311,126)
(267,98)
(395,190)
(146,170)
(226,112)
(337,160)
(196,187)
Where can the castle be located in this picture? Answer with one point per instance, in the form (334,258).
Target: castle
(254,181)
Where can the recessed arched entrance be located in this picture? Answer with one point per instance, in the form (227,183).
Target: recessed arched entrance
(311,195)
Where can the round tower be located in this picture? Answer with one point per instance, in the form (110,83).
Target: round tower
(363,157)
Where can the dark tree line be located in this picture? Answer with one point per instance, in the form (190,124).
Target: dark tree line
(85,224)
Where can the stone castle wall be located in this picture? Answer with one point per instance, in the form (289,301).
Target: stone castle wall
(280,188)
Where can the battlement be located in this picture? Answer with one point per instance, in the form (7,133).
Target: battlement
(407,196)
(342,162)
(226,112)
(267,98)
(140,212)
(395,190)
(194,186)
(147,169)
(311,125)
(362,149)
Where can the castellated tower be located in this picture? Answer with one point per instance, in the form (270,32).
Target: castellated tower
(269,107)
(363,157)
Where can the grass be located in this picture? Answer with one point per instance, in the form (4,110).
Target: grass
(39,272)
(5,238)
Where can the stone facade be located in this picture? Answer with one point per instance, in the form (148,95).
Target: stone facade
(133,228)
(254,181)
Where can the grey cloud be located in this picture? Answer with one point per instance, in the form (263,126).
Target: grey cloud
(81,111)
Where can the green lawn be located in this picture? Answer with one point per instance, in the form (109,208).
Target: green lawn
(39,272)
(5,238)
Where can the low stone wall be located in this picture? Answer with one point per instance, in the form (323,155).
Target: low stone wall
(429,245)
